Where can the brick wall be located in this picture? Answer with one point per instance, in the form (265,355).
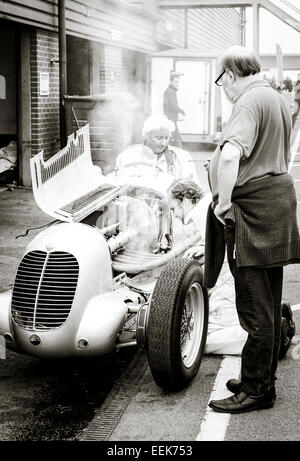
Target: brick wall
(44,109)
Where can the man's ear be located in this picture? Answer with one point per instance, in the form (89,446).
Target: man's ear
(231,75)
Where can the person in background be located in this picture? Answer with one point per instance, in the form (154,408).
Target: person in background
(172,109)
(288,84)
(287,93)
(156,153)
(296,99)
(253,213)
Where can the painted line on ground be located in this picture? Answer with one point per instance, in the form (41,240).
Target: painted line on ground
(214,425)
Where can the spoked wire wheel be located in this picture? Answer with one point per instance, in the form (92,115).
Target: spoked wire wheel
(192,324)
(177,324)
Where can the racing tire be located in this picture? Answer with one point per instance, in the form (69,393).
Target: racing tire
(177,324)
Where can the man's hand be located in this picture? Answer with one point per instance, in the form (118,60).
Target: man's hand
(196,252)
(206,164)
(220,211)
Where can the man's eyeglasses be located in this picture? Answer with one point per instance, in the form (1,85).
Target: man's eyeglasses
(218,82)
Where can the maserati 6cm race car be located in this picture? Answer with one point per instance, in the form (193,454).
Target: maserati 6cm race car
(107,273)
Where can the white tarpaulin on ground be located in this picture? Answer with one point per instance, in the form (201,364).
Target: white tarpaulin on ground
(225,335)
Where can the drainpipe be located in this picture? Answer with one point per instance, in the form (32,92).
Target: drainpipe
(243,26)
(255,32)
(186,28)
(62,70)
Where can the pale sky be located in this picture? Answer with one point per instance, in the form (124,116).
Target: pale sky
(273,31)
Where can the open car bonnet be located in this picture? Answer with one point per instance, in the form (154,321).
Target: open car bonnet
(68,186)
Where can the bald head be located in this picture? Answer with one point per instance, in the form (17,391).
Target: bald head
(240,61)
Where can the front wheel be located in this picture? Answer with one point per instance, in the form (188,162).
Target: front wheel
(177,324)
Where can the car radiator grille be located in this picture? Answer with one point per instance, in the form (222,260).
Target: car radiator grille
(44,289)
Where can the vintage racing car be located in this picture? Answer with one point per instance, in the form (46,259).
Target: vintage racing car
(107,273)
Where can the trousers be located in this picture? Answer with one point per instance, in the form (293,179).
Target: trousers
(258,301)
(176,137)
(296,112)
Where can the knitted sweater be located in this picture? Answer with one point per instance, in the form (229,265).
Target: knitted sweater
(266,230)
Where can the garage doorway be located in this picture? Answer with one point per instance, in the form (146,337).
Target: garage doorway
(8,104)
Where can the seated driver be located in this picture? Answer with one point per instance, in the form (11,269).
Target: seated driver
(156,153)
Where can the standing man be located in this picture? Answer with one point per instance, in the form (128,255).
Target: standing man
(172,109)
(254,213)
(296,99)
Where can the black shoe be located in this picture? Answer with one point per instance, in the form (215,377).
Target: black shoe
(242,402)
(286,311)
(288,330)
(235,386)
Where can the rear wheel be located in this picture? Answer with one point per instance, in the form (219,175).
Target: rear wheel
(177,324)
